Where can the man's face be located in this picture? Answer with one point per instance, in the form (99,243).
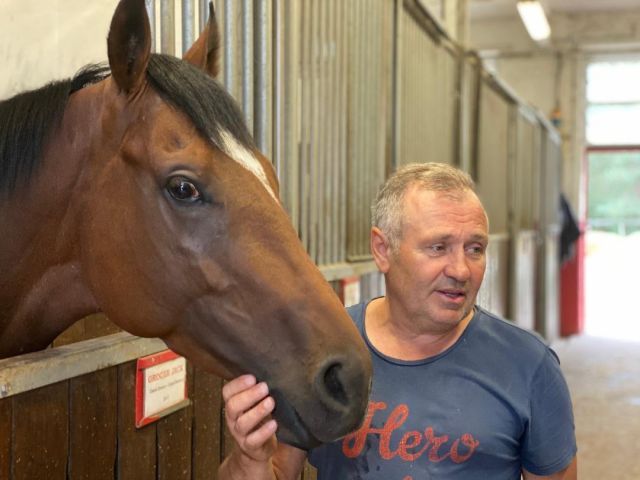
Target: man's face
(439,265)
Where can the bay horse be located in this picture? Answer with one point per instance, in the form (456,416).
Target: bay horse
(136,190)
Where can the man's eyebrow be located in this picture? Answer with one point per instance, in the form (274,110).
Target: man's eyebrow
(476,237)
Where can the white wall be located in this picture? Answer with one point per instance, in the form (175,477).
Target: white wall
(44,40)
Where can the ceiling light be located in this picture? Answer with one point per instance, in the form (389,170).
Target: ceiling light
(534,19)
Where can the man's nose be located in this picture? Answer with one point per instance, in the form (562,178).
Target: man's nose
(457,267)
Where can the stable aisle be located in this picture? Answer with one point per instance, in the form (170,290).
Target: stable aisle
(604,378)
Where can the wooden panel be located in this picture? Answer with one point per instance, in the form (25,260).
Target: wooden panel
(93,426)
(5,437)
(41,436)
(228,443)
(136,447)
(89,327)
(98,325)
(207,407)
(174,445)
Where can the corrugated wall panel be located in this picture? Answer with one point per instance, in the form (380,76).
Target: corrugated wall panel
(370,108)
(428,96)
(468,119)
(493,157)
(526,175)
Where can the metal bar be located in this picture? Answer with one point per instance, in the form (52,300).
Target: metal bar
(396,88)
(263,76)
(34,370)
(306,116)
(363,48)
(315,118)
(279,107)
(245,76)
(229,44)
(323,110)
(293,105)
(203,13)
(334,152)
(188,24)
(344,125)
(151,13)
(167,27)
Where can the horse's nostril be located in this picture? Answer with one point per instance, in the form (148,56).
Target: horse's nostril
(333,383)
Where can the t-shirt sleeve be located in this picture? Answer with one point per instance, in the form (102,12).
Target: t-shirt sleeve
(549,442)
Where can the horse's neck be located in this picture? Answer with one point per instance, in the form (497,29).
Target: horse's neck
(58,298)
(42,290)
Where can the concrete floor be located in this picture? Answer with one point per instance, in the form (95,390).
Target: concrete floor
(604,378)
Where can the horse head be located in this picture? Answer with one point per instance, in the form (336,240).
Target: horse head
(182,237)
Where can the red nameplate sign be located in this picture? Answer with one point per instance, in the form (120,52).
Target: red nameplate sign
(161,386)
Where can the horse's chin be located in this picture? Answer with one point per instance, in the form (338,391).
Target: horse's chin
(291,429)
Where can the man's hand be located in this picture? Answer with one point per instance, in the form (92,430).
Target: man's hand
(248,407)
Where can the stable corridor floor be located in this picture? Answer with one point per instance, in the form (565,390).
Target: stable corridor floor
(604,378)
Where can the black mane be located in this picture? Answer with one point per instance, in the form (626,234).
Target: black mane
(29,119)
(203,99)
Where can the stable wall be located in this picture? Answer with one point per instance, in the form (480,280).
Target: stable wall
(554,75)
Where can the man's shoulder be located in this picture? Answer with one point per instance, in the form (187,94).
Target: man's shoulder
(508,337)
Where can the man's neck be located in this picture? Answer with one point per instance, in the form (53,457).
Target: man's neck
(393,335)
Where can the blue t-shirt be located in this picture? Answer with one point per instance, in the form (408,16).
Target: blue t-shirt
(492,403)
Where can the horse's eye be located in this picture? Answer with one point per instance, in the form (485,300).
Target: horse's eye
(183,190)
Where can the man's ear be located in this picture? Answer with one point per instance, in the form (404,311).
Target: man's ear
(381,249)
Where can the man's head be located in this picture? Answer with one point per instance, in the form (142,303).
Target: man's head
(429,238)
(387,211)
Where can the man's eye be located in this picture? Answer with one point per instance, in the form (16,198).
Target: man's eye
(476,250)
(183,190)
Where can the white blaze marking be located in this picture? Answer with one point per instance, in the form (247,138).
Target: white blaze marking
(246,158)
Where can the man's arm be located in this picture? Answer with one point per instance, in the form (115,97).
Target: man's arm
(569,473)
(257,455)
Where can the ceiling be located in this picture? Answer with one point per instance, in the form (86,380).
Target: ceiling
(506,8)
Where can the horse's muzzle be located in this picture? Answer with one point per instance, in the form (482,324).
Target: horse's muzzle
(332,407)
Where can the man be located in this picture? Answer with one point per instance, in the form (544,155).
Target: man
(457,393)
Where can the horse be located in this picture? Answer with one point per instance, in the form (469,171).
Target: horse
(135,189)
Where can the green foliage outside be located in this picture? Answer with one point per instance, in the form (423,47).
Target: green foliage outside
(614,191)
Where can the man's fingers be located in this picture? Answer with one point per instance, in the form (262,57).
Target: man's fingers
(242,402)
(261,436)
(237,385)
(250,419)
(247,410)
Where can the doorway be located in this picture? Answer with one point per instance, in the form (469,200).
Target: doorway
(612,257)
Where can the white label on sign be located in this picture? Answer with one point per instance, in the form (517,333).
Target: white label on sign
(164,385)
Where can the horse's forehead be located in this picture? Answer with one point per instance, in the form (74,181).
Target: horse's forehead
(231,146)
(247,159)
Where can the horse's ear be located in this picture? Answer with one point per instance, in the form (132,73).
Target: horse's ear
(204,53)
(129,45)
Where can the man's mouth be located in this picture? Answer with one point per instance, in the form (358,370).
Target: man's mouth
(454,295)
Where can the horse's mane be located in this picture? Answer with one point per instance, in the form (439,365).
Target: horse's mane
(209,106)
(29,119)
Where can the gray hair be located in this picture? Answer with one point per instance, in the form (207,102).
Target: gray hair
(386,212)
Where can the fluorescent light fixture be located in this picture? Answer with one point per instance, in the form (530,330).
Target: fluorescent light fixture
(534,19)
